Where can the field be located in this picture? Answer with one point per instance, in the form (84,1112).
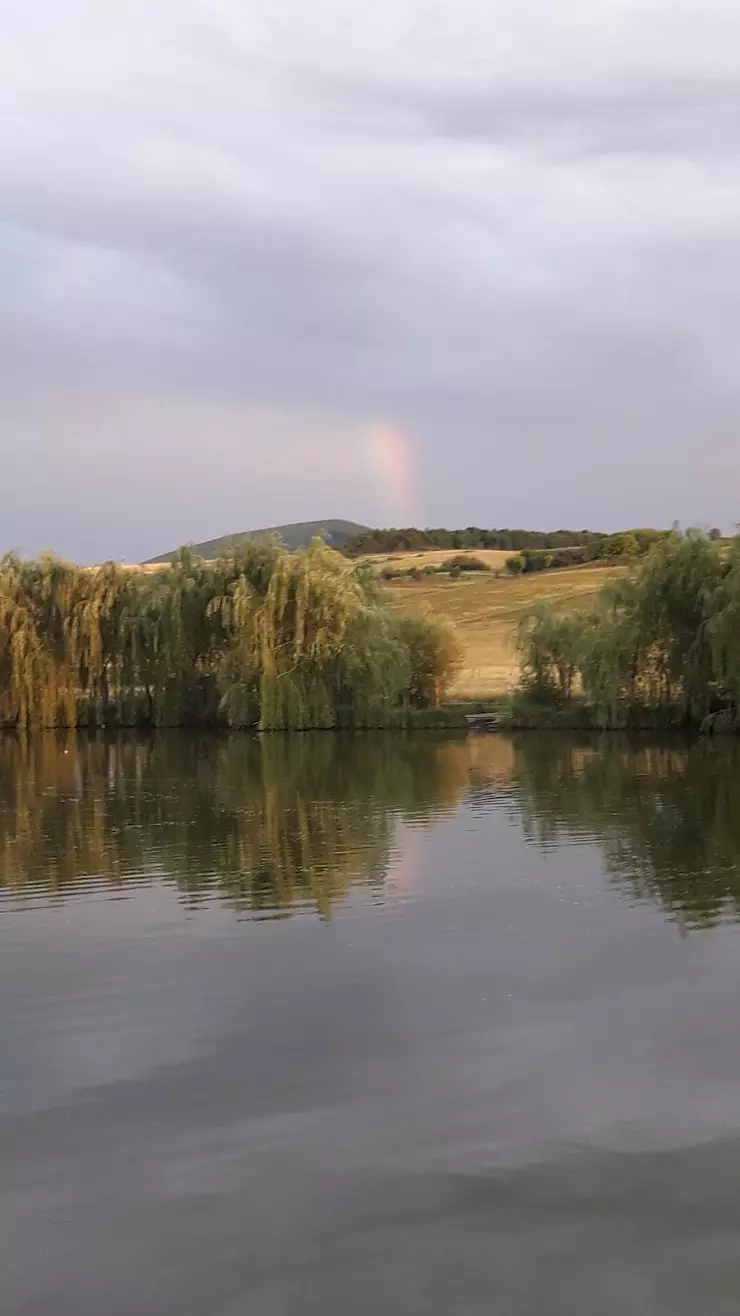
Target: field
(485,611)
(494,558)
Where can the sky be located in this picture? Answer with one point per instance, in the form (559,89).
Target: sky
(407,262)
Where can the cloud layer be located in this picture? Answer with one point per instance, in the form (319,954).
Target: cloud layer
(236,239)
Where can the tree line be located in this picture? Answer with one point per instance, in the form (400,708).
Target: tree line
(625,546)
(265,638)
(413,539)
(661,645)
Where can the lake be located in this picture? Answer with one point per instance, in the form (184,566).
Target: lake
(315,1025)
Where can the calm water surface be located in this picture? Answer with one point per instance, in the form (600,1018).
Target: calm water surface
(318,1026)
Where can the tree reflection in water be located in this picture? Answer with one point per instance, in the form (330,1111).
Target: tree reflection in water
(665,815)
(265,823)
(282,821)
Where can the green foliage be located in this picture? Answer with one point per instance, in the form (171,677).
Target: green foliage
(435,658)
(626,545)
(413,539)
(265,638)
(464,562)
(515,565)
(535,560)
(667,636)
(549,650)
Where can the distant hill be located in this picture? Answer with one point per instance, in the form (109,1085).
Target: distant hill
(297,535)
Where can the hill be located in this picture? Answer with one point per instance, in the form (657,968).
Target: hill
(296,535)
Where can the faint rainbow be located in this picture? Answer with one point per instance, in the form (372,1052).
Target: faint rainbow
(392,461)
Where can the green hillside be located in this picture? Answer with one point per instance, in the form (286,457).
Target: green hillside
(296,535)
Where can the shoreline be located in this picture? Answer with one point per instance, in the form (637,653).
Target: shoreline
(511,714)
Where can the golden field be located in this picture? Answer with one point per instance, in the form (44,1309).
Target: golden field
(494,558)
(485,610)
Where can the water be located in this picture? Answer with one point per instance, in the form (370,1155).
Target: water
(390,1023)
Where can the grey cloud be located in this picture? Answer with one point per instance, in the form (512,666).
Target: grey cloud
(512,235)
(681,116)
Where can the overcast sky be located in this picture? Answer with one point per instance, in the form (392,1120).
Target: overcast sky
(408,260)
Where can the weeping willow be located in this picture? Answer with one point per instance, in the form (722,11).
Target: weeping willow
(265,638)
(664,640)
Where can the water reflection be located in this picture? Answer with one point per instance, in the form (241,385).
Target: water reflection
(666,816)
(271,824)
(266,824)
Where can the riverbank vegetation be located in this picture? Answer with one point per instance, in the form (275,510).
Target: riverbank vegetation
(265,638)
(660,647)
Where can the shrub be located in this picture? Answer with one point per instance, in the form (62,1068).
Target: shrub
(435,657)
(465,562)
(535,560)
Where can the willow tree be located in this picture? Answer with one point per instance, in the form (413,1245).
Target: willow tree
(611,652)
(311,641)
(724,633)
(435,658)
(677,596)
(265,637)
(549,647)
(39,682)
(665,638)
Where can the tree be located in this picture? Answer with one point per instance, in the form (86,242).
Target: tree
(668,637)
(262,637)
(515,565)
(435,659)
(549,651)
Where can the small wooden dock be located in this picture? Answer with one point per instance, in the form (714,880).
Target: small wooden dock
(483,722)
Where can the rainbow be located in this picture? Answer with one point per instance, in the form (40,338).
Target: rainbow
(391,459)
